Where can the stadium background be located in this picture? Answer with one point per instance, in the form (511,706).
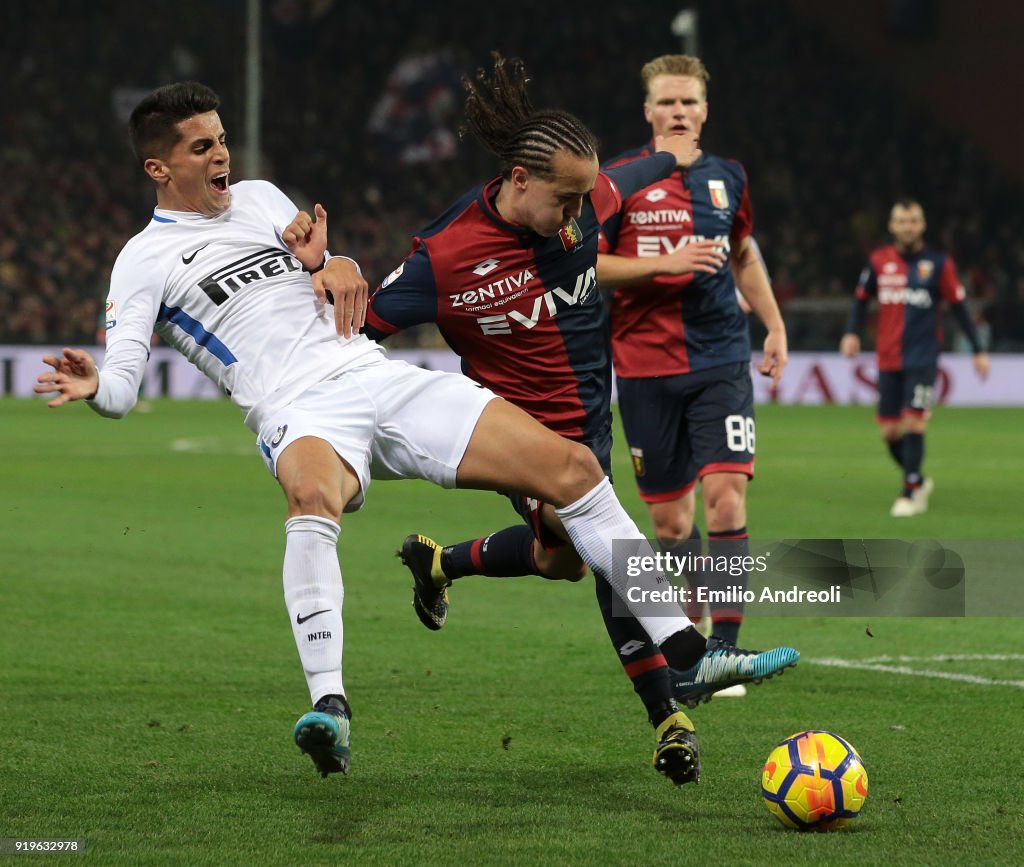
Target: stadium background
(147,683)
(834,109)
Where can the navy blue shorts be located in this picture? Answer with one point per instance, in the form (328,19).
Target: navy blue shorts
(681,428)
(529,508)
(909,391)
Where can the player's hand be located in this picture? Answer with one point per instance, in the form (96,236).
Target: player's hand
(74,377)
(776,355)
(306,238)
(849,345)
(349,293)
(981,365)
(685,148)
(707,256)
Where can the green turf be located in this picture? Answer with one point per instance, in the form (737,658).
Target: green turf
(149,681)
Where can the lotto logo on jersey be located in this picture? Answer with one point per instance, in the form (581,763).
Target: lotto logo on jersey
(111,314)
(924,270)
(571,235)
(719,197)
(485,267)
(656,195)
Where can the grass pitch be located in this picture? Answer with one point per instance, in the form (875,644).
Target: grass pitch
(149,681)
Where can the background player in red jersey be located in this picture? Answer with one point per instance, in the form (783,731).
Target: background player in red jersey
(675,255)
(508,274)
(910,282)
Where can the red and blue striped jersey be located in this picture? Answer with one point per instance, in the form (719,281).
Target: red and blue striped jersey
(523,311)
(910,289)
(677,324)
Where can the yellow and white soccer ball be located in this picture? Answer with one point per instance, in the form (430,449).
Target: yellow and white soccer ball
(814,779)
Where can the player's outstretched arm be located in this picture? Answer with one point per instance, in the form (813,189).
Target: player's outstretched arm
(74,377)
(620,272)
(307,238)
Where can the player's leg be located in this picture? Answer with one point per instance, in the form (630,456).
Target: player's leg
(722,436)
(490,444)
(302,448)
(726,515)
(671,520)
(918,398)
(510,451)
(890,422)
(523,549)
(675,754)
(653,413)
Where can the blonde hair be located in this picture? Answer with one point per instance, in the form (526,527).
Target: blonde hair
(675,64)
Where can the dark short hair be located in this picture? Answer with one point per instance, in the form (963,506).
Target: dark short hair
(153,123)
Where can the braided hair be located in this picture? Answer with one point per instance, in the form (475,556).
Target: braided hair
(498,113)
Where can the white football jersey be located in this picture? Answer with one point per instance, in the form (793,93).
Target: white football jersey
(225,292)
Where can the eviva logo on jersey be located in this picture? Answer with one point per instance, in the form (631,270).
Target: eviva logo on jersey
(904,295)
(657,245)
(502,322)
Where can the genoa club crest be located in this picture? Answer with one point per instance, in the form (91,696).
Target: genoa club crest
(924,269)
(719,197)
(571,235)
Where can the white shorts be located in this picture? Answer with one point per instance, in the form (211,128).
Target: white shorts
(386,419)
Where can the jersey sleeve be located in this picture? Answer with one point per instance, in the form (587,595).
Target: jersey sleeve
(950,287)
(743,221)
(633,176)
(133,304)
(867,283)
(406,297)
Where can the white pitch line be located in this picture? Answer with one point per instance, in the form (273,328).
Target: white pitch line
(950,657)
(916,672)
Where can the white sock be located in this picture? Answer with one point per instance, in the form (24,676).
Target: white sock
(313,595)
(593,522)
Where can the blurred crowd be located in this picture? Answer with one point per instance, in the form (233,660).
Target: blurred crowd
(361,106)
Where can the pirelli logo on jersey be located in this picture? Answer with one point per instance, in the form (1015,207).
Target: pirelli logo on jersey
(550,303)
(269,262)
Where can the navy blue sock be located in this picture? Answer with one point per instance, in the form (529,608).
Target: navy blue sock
(896,450)
(726,617)
(639,656)
(913,457)
(507,553)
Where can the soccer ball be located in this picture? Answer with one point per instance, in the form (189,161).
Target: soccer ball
(814,780)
